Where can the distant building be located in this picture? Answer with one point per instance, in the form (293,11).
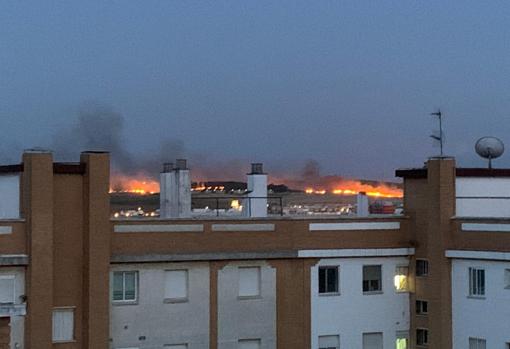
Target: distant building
(437,276)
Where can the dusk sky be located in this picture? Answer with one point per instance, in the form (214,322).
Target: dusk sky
(347,83)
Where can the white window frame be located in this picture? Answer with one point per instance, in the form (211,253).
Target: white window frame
(13,278)
(398,272)
(479,343)
(178,299)
(185,345)
(258,340)
(372,333)
(259,283)
(124,300)
(402,335)
(71,310)
(507,278)
(369,292)
(334,293)
(477,289)
(329,335)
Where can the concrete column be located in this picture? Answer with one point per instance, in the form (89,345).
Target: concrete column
(167,192)
(175,191)
(256,204)
(96,250)
(38,210)
(362,204)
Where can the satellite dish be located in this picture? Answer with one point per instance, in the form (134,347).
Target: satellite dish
(489,148)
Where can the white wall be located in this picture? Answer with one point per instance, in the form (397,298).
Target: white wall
(246,318)
(487,318)
(350,314)
(483,187)
(161,322)
(9,196)
(17,322)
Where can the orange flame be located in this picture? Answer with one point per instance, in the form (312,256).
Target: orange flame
(351,187)
(140,184)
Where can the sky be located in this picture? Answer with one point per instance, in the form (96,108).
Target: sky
(349,84)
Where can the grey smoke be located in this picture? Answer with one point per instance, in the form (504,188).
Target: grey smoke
(99,127)
(311,170)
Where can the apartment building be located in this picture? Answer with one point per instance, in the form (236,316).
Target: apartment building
(437,276)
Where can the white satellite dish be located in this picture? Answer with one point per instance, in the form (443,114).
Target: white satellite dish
(489,148)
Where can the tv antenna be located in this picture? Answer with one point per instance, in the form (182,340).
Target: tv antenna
(489,148)
(439,137)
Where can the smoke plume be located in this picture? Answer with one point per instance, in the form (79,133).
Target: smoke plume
(101,128)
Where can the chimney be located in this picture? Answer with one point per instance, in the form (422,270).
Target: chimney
(255,204)
(168,167)
(362,204)
(181,164)
(175,191)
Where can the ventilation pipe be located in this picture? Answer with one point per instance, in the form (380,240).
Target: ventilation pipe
(362,204)
(256,203)
(175,190)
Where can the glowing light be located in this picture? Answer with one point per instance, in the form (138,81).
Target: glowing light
(400,279)
(354,187)
(137,184)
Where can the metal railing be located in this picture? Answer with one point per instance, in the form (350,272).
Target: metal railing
(225,205)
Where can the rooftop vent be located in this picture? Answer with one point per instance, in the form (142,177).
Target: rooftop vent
(168,167)
(257,168)
(181,164)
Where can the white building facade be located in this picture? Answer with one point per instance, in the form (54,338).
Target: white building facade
(362,307)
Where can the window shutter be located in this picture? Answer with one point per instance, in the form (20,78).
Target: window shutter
(176,284)
(372,341)
(249,281)
(249,344)
(7,289)
(329,342)
(63,325)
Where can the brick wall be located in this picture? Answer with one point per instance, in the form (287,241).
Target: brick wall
(5,333)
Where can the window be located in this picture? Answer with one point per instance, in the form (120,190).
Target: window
(328,279)
(476,282)
(125,286)
(176,285)
(402,340)
(329,342)
(422,307)
(176,346)
(507,279)
(373,340)
(400,279)
(422,336)
(422,267)
(7,293)
(477,343)
(249,282)
(248,344)
(372,280)
(63,324)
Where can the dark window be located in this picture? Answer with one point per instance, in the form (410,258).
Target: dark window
(476,282)
(422,267)
(422,336)
(372,279)
(328,279)
(422,307)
